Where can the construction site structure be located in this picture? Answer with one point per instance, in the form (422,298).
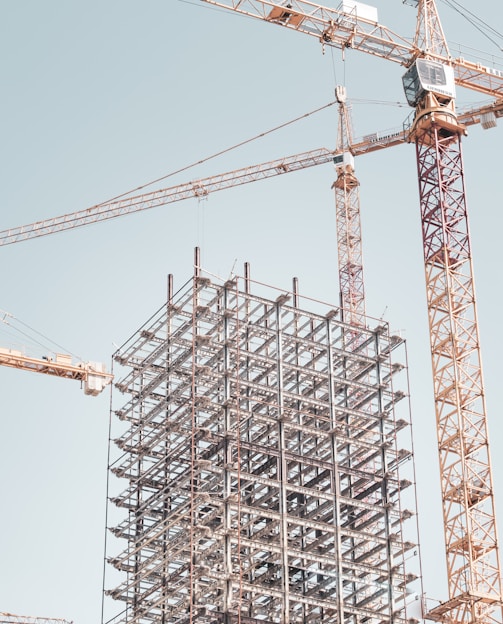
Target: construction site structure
(264,464)
(93,375)
(467,492)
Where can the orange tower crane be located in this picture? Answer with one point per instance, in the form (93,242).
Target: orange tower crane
(473,560)
(471,545)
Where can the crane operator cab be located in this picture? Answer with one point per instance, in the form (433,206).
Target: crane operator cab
(429,87)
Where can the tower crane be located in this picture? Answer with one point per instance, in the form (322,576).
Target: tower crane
(471,545)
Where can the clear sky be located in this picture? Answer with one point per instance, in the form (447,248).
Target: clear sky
(101,97)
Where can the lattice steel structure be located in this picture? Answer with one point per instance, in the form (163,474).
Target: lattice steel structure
(265,474)
(347,210)
(471,542)
(470,528)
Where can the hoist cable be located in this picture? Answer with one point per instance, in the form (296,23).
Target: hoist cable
(31,338)
(475,21)
(220,153)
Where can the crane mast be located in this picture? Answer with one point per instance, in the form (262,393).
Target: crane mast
(347,207)
(471,544)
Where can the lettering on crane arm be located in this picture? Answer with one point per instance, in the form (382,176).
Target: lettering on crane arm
(380,137)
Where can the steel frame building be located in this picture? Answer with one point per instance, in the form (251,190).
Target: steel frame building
(260,445)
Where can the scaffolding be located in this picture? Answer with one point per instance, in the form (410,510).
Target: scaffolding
(260,444)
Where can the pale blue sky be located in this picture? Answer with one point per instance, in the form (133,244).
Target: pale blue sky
(99,97)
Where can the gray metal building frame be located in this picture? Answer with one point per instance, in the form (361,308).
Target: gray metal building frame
(261,452)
